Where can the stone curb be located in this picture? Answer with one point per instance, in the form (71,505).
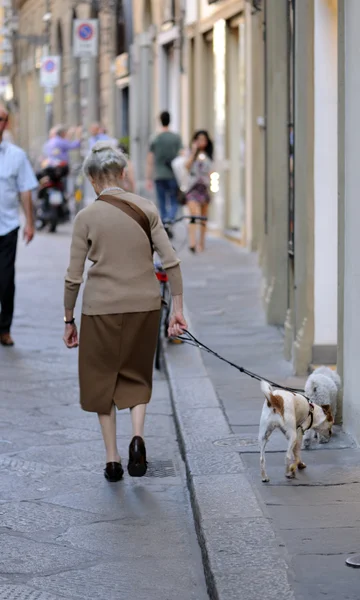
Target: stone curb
(241,555)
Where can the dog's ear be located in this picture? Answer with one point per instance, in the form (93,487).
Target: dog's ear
(327,412)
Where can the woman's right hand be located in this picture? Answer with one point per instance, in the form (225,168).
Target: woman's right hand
(71,337)
(177,324)
(194,147)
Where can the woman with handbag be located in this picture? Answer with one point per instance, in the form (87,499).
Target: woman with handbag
(121,303)
(198,195)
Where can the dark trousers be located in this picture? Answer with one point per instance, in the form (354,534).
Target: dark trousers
(166,190)
(8,245)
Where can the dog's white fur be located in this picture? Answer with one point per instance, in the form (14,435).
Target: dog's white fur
(322,387)
(329,373)
(289,412)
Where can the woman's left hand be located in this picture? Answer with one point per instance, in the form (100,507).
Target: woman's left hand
(177,324)
(71,337)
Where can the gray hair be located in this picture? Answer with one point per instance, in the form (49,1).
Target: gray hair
(104,162)
(60,129)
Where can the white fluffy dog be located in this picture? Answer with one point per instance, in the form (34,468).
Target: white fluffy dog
(322,388)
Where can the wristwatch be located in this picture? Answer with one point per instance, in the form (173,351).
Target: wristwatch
(71,322)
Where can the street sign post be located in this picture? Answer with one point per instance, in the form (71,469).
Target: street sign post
(50,71)
(85,33)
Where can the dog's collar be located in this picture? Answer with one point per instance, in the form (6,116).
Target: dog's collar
(311,415)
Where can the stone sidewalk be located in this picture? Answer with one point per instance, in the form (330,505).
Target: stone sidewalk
(65,533)
(287,539)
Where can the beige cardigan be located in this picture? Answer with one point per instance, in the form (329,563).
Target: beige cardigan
(121,278)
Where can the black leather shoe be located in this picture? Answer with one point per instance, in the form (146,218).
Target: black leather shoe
(137,465)
(113,472)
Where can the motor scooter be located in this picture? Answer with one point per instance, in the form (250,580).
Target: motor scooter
(51,205)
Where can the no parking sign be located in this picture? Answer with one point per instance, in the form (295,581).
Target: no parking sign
(85,37)
(50,71)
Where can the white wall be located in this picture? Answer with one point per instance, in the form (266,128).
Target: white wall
(325,172)
(351,403)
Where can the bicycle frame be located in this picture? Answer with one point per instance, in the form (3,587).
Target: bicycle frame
(165,291)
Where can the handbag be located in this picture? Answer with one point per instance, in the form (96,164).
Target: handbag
(181,173)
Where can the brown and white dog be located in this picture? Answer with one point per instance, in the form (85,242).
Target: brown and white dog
(293,415)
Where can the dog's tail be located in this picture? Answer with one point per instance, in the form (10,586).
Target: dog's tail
(274,401)
(266,390)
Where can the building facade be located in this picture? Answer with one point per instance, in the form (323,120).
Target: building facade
(87,89)
(301,224)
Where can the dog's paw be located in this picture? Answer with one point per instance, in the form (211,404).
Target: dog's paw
(301,465)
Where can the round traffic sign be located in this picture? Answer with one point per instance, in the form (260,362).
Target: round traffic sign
(85,31)
(49,65)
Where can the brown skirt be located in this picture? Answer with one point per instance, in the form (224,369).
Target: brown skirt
(116,356)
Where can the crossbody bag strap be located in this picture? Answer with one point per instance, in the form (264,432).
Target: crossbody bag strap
(133,211)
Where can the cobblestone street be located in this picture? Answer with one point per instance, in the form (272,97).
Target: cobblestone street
(64,531)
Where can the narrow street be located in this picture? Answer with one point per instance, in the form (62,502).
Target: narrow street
(64,531)
(298,533)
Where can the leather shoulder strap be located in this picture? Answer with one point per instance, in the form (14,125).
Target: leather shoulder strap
(131,210)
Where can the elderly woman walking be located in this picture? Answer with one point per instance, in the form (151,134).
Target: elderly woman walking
(121,303)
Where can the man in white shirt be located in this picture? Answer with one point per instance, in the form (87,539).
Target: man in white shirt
(16,179)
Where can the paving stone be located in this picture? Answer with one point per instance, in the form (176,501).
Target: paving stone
(229,495)
(326,577)
(162,580)
(212,462)
(314,540)
(22,592)
(269,582)
(196,393)
(316,475)
(125,501)
(204,423)
(305,496)
(36,487)
(344,514)
(240,543)
(153,535)
(19,555)
(27,517)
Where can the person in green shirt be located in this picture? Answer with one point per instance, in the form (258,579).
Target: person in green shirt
(163,149)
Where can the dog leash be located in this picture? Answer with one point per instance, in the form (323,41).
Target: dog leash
(190,339)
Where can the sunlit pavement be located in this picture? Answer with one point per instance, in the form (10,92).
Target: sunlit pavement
(64,531)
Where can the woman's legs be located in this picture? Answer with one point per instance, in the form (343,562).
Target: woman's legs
(138,419)
(194,210)
(204,213)
(108,428)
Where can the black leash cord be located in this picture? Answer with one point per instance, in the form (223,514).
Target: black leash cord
(189,338)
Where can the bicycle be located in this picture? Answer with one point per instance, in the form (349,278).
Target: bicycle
(165,290)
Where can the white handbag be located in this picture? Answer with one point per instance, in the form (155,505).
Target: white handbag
(181,173)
